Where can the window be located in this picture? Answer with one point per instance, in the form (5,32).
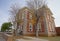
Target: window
(25,11)
(48,17)
(39,26)
(53,27)
(30,16)
(30,27)
(50,26)
(23,15)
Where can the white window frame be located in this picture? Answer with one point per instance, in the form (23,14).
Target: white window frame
(39,26)
(30,16)
(48,16)
(50,26)
(23,15)
(30,28)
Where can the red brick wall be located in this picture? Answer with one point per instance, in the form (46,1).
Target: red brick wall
(57,30)
(28,21)
(42,24)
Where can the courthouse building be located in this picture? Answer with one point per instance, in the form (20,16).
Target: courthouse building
(27,19)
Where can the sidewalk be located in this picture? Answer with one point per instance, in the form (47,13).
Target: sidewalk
(30,39)
(2,39)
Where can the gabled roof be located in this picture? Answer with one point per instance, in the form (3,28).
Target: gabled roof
(24,8)
(45,7)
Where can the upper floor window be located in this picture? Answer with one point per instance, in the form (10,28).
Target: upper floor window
(25,11)
(23,16)
(48,16)
(30,16)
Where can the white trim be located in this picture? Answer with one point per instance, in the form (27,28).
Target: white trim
(30,27)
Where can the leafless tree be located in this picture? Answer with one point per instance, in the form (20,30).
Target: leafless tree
(35,5)
(14,14)
(13,11)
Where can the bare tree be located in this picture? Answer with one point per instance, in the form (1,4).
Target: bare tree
(13,15)
(35,5)
(13,11)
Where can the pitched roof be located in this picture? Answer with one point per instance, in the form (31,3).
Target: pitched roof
(45,8)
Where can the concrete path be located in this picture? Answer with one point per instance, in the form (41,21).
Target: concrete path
(31,39)
(2,39)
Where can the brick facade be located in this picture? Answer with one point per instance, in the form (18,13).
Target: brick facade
(57,31)
(46,22)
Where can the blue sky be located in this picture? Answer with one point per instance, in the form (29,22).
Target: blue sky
(54,5)
(5,5)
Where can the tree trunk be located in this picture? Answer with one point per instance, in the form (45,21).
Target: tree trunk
(37,30)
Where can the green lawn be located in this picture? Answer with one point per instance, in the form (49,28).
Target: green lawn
(57,38)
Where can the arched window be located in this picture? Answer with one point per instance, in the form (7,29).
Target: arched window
(30,16)
(23,15)
(39,26)
(50,26)
(30,27)
(48,17)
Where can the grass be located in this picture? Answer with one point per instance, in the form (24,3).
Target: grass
(26,38)
(57,38)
